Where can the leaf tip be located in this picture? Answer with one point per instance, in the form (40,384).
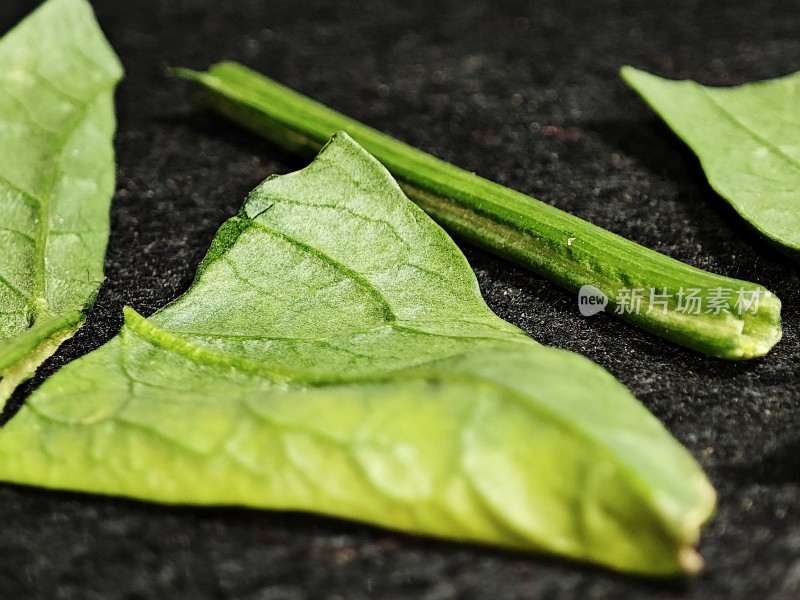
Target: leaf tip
(635,77)
(183,73)
(690,561)
(626,71)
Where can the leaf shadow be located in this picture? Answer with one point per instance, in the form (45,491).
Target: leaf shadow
(323,540)
(780,466)
(206,123)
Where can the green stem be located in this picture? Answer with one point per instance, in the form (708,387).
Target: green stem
(555,244)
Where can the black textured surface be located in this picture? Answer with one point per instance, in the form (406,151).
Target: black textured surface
(526,94)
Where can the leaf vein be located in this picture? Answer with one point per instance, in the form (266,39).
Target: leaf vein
(732,118)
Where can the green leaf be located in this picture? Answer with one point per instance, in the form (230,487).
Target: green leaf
(563,248)
(334,355)
(57,78)
(746,138)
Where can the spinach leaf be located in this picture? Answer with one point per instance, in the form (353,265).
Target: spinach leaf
(57,77)
(334,355)
(710,313)
(747,141)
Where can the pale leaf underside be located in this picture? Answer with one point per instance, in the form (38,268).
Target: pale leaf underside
(334,355)
(57,76)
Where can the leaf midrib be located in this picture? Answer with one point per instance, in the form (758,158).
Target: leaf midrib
(40,308)
(749,131)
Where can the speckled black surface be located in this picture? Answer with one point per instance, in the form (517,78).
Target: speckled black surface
(526,94)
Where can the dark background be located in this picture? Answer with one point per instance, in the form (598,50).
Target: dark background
(526,94)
